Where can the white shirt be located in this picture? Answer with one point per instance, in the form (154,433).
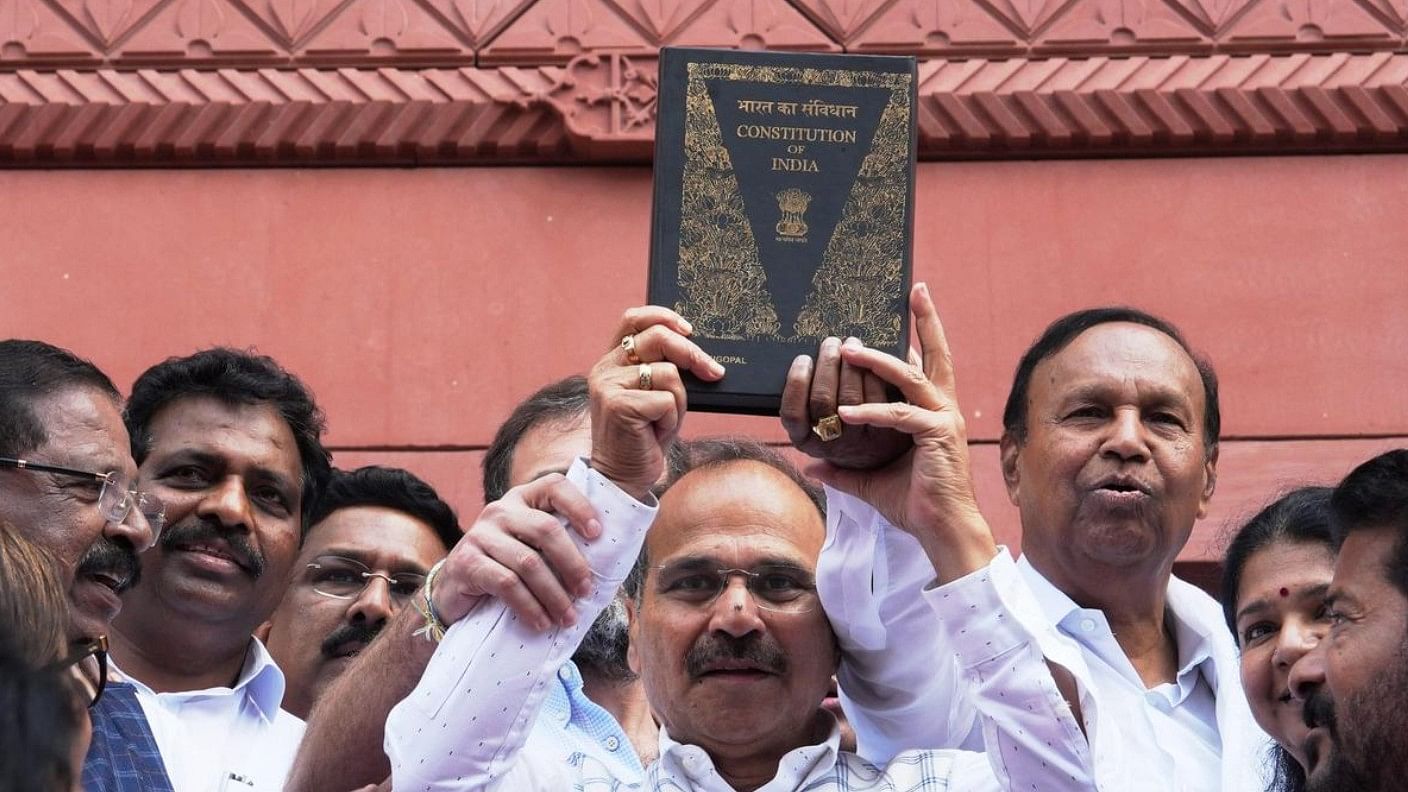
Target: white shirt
(226,739)
(1196,733)
(472,722)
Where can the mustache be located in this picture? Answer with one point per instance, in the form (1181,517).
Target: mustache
(204,529)
(111,558)
(1319,710)
(362,632)
(764,653)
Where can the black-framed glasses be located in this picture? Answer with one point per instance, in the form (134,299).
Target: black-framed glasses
(116,499)
(344,578)
(776,587)
(89,667)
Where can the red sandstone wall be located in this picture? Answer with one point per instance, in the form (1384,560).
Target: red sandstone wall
(421,304)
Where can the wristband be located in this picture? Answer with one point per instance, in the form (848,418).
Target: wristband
(434,629)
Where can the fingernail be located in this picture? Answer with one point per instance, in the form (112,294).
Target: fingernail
(852,341)
(570,617)
(718,367)
(542,625)
(593,528)
(924,287)
(688,328)
(584,588)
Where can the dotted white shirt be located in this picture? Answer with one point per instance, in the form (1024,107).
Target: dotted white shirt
(470,724)
(1196,733)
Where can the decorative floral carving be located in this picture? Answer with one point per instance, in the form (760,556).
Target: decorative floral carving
(606,96)
(384,19)
(31,29)
(842,19)
(660,18)
(477,20)
(200,20)
(1027,16)
(1211,16)
(52,34)
(1122,24)
(18,21)
(1309,23)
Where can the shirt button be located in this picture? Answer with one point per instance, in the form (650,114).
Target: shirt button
(564,674)
(612,743)
(1087,624)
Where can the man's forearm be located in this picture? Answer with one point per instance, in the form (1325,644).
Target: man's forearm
(342,748)
(900,691)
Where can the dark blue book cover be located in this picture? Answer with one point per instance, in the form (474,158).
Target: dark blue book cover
(783,209)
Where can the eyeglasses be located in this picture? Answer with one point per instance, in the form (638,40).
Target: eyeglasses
(775,587)
(345,578)
(115,500)
(89,666)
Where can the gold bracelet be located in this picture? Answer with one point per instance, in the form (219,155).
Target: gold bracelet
(434,629)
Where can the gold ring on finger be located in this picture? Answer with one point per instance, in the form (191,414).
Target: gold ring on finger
(644,376)
(629,345)
(828,428)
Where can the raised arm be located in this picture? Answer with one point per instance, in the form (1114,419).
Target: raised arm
(928,494)
(463,725)
(343,745)
(468,722)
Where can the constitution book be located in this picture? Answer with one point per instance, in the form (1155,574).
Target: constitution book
(783,209)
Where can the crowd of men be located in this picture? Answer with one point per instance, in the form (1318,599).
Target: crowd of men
(635,611)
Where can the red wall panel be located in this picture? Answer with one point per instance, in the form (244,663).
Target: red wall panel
(421,304)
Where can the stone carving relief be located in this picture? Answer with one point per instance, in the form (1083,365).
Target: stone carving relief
(501,32)
(443,80)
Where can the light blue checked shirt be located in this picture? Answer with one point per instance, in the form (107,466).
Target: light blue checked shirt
(826,768)
(584,731)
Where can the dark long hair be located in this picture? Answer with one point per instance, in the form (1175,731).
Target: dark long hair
(1301,516)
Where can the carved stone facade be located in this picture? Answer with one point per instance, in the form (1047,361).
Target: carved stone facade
(150,82)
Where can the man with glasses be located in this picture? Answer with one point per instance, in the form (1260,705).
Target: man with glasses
(727,627)
(596,704)
(66,477)
(373,535)
(231,444)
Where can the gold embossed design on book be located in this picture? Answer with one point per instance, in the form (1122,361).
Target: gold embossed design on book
(722,282)
(854,289)
(721,277)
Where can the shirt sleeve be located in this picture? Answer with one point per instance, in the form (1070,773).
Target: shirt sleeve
(898,681)
(464,725)
(993,627)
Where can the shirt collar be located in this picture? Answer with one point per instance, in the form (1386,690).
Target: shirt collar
(1054,602)
(797,767)
(1194,647)
(262,679)
(1196,638)
(259,680)
(558,704)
